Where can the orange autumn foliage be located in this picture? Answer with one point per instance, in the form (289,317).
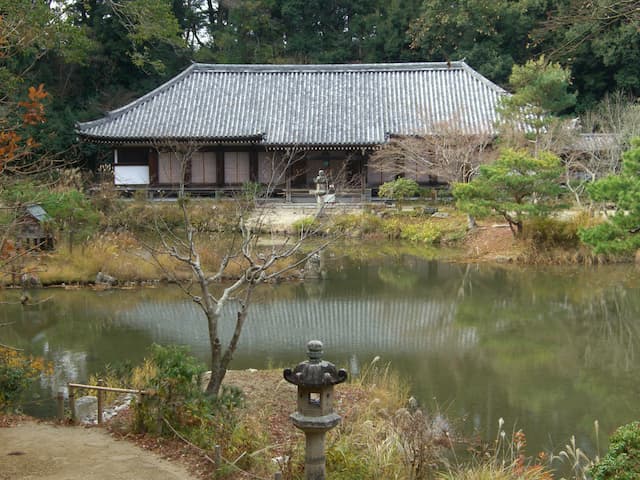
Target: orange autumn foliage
(12,144)
(34,108)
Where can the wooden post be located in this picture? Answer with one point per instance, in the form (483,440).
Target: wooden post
(277,476)
(72,404)
(217,456)
(60,399)
(100,401)
(140,404)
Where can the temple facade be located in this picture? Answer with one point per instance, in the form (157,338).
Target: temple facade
(218,127)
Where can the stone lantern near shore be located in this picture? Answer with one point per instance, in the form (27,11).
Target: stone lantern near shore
(315,416)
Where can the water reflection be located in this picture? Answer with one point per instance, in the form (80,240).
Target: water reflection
(549,350)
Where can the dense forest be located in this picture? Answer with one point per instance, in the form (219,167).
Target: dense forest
(85,57)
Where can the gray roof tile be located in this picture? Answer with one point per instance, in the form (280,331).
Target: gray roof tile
(309,105)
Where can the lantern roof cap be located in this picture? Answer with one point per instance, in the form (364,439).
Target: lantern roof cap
(314,372)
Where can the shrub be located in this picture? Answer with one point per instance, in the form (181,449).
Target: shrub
(174,381)
(399,189)
(411,229)
(421,232)
(180,405)
(356,224)
(305,225)
(16,372)
(547,232)
(252,190)
(622,461)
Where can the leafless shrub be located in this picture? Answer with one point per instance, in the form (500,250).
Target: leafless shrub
(424,439)
(446,151)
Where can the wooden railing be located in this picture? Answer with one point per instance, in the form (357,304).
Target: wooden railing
(100,391)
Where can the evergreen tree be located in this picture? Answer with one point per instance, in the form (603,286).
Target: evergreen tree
(620,234)
(541,93)
(517,186)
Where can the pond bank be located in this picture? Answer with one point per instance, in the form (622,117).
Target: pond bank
(120,258)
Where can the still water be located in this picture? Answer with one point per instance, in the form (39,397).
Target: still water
(549,350)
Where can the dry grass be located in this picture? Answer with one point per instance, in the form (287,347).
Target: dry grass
(118,255)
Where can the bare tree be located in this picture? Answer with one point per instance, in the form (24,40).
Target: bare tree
(445,151)
(596,152)
(244,262)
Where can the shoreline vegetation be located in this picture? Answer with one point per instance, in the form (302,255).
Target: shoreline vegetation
(117,251)
(384,433)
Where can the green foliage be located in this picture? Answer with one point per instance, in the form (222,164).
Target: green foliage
(622,461)
(619,234)
(357,224)
(252,190)
(204,216)
(16,372)
(149,22)
(70,210)
(412,229)
(344,463)
(599,40)
(549,232)
(416,231)
(179,400)
(399,189)
(305,225)
(540,93)
(516,186)
(489,35)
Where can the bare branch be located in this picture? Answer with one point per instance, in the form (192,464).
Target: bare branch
(445,151)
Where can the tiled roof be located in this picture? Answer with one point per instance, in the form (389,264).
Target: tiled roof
(306,105)
(37,212)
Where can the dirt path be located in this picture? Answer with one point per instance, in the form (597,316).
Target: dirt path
(33,450)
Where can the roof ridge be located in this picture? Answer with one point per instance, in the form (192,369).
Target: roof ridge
(481,78)
(330,67)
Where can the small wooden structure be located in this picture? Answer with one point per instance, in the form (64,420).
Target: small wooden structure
(100,389)
(33,229)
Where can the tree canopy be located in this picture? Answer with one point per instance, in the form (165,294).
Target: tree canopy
(620,234)
(516,186)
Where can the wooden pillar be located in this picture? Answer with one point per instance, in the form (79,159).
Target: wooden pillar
(253,165)
(363,176)
(152,158)
(220,167)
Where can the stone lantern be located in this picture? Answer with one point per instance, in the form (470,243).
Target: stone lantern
(322,187)
(315,379)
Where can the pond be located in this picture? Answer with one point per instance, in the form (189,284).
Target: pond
(550,350)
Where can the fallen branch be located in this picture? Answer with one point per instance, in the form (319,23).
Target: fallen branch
(207,457)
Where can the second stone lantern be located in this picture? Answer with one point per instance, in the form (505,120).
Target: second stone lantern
(315,379)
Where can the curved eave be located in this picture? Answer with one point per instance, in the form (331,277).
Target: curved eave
(253,139)
(250,140)
(322,146)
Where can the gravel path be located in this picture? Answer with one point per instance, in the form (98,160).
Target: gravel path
(33,450)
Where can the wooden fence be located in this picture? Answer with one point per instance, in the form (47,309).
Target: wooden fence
(100,391)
